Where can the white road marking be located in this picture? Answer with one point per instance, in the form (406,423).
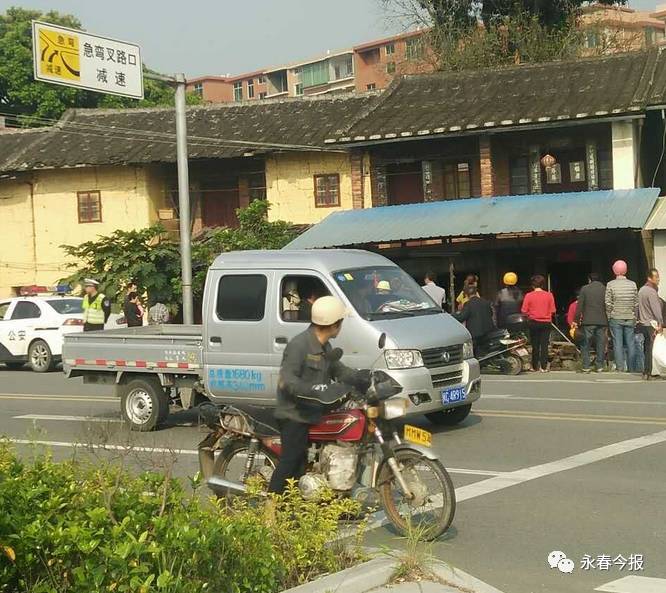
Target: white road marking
(546,469)
(453,470)
(106,447)
(571,399)
(66,418)
(527,474)
(585,381)
(634,584)
(71,398)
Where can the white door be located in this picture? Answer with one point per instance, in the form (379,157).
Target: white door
(23,319)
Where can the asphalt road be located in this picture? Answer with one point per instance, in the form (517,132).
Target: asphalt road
(565,462)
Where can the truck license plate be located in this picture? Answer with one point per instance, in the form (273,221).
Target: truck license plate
(453,395)
(418,436)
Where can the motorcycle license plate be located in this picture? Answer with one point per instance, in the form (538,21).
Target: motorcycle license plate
(522,352)
(418,436)
(453,395)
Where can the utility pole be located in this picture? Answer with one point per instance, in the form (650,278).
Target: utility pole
(184,201)
(184,224)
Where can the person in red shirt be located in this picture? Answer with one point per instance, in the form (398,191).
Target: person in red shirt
(539,306)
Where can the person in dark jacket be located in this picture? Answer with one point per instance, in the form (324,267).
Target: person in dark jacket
(509,299)
(306,388)
(477,313)
(133,310)
(591,316)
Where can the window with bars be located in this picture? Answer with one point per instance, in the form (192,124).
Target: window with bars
(250,88)
(238,91)
(390,49)
(89,206)
(414,48)
(327,190)
(457,182)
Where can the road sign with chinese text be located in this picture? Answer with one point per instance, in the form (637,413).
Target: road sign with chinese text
(78,59)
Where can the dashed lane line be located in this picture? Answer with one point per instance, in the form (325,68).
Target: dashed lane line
(65,398)
(600,418)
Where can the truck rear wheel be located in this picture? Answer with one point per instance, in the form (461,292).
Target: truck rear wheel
(144,404)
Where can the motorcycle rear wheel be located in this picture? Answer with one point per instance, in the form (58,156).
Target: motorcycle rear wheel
(511,364)
(230,463)
(433,484)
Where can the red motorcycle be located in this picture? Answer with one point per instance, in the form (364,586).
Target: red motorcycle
(355,451)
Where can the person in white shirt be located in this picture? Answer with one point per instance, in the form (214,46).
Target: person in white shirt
(436,293)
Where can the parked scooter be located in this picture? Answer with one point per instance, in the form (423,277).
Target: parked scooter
(356,451)
(504,350)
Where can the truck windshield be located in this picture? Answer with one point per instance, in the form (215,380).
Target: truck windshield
(66,306)
(384,293)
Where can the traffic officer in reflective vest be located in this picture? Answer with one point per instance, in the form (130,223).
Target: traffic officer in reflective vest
(96,307)
(306,388)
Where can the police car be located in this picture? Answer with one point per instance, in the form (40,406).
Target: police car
(32,329)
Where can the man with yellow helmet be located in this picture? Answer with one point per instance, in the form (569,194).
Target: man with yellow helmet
(509,299)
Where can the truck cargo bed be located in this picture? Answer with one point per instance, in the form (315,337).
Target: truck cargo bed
(163,348)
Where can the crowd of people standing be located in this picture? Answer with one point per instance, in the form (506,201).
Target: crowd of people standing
(632,317)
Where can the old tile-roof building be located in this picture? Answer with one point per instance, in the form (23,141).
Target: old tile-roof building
(559,128)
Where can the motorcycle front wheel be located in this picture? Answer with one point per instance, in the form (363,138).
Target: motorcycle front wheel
(430,511)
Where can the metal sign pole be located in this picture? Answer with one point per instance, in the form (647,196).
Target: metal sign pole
(184,201)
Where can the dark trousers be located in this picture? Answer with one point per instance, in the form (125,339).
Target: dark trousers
(539,337)
(294,436)
(594,335)
(648,342)
(93,327)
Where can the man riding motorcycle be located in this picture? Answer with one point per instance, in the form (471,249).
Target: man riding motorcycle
(306,387)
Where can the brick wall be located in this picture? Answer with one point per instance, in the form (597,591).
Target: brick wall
(486,164)
(356,162)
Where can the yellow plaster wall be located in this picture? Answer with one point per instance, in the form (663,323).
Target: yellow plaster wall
(290,185)
(16,245)
(130,196)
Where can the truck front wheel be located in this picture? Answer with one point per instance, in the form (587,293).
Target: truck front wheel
(450,417)
(144,404)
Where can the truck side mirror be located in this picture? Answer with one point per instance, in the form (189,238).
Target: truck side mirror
(382,341)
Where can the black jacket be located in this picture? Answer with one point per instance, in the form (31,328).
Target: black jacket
(477,314)
(305,390)
(508,302)
(591,308)
(132,315)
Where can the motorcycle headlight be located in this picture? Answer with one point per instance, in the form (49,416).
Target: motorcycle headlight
(394,408)
(403,359)
(468,350)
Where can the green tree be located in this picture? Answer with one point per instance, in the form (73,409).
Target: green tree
(255,231)
(146,255)
(21,95)
(153,258)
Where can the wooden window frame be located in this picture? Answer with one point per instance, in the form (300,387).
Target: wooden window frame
(79,196)
(455,164)
(322,176)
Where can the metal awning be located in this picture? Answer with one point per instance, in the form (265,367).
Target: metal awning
(540,213)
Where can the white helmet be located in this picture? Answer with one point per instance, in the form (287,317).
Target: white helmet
(328,310)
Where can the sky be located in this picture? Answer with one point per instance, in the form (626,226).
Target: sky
(226,36)
(233,36)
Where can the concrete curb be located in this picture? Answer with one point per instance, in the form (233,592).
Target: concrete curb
(377,572)
(460,578)
(358,579)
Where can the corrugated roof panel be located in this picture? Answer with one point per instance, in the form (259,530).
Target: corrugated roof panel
(607,209)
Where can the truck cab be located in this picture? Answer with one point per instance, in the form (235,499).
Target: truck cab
(255,302)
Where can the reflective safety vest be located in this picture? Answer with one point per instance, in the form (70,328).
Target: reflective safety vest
(93,312)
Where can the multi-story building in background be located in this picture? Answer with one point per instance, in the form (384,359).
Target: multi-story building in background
(612,29)
(373,65)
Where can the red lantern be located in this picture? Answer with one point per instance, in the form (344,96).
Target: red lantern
(548,160)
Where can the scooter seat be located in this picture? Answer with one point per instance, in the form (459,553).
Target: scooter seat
(496,334)
(263,419)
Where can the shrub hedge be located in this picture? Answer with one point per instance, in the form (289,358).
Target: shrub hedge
(78,528)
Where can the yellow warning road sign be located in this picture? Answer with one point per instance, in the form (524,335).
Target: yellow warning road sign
(59,54)
(79,59)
